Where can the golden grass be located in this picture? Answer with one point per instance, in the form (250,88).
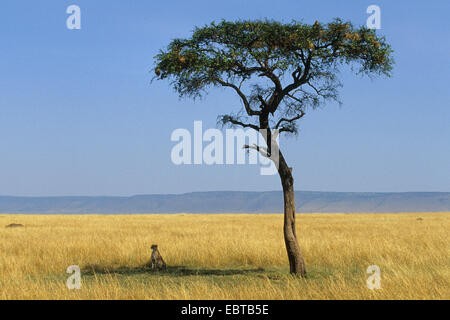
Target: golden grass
(225,256)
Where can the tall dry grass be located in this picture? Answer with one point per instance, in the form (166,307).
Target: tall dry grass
(225,256)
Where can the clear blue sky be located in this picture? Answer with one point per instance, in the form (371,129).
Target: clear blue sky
(78,115)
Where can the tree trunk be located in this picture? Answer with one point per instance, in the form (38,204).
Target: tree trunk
(296,261)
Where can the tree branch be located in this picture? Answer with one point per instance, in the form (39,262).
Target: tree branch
(262,150)
(302,80)
(249,110)
(302,113)
(230,119)
(298,81)
(268,72)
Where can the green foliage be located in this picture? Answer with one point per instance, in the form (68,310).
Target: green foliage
(292,65)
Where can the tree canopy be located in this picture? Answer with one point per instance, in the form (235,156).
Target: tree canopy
(277,69)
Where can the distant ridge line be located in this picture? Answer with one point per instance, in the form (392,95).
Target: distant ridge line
(231,202)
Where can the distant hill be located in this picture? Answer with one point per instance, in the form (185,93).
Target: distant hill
(231,202)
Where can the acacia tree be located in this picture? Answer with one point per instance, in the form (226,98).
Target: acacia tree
(279,71)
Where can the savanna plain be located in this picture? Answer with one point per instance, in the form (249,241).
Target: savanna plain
(224,256)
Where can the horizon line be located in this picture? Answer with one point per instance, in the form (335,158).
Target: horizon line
(214,191)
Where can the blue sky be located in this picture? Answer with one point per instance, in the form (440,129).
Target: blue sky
(78,115)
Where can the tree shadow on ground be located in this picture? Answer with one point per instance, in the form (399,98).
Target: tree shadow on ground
(170,270)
